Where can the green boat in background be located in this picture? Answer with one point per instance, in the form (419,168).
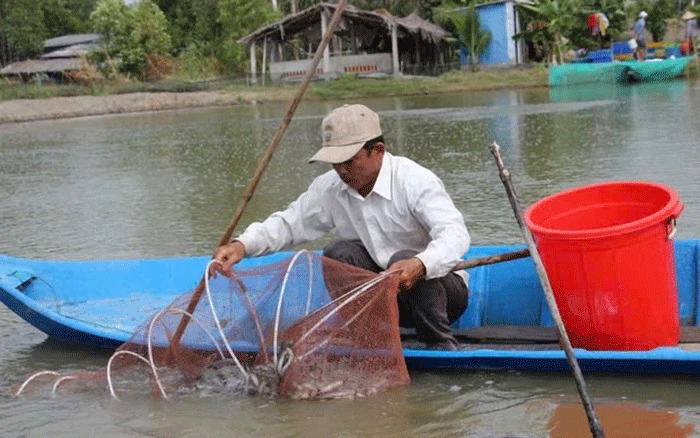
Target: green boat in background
(617,72)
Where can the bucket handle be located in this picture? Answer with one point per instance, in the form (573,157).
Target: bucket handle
(671,227)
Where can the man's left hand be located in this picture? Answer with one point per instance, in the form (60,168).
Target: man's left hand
(411,271)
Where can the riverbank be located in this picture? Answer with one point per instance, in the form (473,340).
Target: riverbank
(347,87)
(25,110)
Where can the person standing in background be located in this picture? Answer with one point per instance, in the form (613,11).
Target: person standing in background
(638,30)
(691,29)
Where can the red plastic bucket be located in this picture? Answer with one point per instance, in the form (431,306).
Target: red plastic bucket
(608,252)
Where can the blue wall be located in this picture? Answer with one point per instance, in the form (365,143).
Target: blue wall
(493,18)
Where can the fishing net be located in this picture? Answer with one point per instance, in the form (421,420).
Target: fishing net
(306,327)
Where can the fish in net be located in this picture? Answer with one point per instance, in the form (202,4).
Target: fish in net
(306,327)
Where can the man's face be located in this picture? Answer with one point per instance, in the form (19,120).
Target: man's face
(360,172)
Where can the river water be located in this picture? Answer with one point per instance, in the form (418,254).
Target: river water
(167,183)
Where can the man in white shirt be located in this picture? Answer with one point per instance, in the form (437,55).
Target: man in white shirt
(639,30)
(387,212)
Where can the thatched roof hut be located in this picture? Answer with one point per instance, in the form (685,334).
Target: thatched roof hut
(365,42)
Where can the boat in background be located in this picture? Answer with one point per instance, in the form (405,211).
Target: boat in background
(507,324)
(617,72)
(617,66)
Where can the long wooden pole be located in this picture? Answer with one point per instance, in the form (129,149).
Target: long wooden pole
(489,260)
(593,422)
(265,160)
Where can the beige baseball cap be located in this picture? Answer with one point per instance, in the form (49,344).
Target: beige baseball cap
(345,130)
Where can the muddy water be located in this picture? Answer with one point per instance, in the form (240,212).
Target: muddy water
(167,183)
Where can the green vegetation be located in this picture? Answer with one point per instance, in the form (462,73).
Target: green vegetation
(466,25)
(131,37)
(179,44)
(346,87)
(554,27)
(350,86)
(41,91)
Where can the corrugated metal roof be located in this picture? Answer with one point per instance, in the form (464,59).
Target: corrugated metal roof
(70,51)
(42,66)
(70,40)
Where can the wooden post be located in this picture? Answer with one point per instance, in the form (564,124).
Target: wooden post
(253,66)
(395,49)
(326,52)
(264,60)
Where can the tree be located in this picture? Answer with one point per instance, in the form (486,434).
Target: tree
(22,30)
(63,17)
(110,19)
(553,22)
(659,12)
(131,34)
(238,18)
(193,24)
(469,32)
(580,34)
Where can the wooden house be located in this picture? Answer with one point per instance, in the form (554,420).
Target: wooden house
(365,42)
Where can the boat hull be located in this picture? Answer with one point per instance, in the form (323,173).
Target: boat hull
(617,72)
(101,303)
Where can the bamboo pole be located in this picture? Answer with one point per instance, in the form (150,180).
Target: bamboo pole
(593,422)
(489,260)
(264,161)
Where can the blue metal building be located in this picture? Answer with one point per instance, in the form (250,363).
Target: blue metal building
(501,18)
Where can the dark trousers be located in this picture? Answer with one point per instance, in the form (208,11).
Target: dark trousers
(429,307)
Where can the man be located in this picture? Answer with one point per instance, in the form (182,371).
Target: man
(638,30)
(388,213)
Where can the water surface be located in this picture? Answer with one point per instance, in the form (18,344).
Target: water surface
(167,183)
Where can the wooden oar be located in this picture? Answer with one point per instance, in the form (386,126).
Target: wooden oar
(593,422)
(265,160)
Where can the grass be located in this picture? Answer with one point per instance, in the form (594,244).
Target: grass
(350,86)
(9,91)
(346,86)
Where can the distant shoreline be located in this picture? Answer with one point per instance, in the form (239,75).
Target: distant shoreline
(26,110)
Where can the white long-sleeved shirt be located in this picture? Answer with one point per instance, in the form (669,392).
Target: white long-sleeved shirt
(408,208)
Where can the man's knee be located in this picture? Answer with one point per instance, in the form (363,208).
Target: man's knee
(351,252)
(340,249)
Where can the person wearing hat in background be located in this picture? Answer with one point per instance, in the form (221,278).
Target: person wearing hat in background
(387,212)
(638,30)
(691,29)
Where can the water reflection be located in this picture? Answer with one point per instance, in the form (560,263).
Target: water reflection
(167,183)
(619,420)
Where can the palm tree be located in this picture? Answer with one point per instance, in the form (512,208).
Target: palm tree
(465,23)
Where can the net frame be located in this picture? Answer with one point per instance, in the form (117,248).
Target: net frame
(320,329)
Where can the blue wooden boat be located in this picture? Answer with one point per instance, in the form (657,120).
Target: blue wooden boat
(507,324)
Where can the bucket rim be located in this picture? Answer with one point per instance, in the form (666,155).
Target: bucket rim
(670,210)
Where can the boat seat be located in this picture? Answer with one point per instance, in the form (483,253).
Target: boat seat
(16,278)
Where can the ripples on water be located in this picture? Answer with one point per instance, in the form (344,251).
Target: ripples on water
(166,184)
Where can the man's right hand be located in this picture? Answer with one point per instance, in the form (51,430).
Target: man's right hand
(227,256)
